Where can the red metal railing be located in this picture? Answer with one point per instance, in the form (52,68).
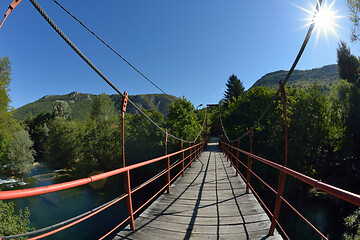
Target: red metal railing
(228,149)
(193,152)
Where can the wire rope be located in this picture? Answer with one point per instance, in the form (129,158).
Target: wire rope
(54,226)
(108,46)
(73,46)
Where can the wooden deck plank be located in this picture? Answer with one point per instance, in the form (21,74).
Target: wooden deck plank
(208,203)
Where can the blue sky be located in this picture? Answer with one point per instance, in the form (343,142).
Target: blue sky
(187,47)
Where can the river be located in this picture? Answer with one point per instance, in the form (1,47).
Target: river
(56,207)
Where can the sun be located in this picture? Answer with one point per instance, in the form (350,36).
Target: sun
(325,19)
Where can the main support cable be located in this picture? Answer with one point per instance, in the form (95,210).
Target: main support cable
(222,126)
(72,45)
(108,46)
(306,40)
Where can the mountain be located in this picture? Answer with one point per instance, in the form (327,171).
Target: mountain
(325,77)
(80,104)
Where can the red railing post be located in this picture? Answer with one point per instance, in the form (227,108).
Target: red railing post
(127,184)
(237,157)
(227,150)
(231,154)
(182,156)
(248,174)
(195,151)
(129,200)
(190,154)
(282,175)
(167,163)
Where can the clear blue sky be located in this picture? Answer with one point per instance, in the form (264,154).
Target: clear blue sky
(187,47)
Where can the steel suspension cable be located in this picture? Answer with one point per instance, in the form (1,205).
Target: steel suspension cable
(306,40)
(72,45)
(222,126)
(108,46)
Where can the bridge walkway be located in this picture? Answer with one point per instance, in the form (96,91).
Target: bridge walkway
(209,202)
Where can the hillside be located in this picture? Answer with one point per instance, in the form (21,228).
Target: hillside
(80,104)
(324,77)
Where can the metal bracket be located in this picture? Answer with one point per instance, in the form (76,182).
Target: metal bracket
(10,9)
(124,103)
(282,91)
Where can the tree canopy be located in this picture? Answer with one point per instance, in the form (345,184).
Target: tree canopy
(234,88)
(182,119)
(348,64)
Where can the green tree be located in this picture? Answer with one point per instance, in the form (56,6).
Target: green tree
(16,152)
(234,88)
(348,64)
(144,140)
(64,142)
(39,131)
(182,120)
(354,9)
(352,224)
(103,109)
(21,153)
(5,78)
(61,109)
(12,223)
(102,135)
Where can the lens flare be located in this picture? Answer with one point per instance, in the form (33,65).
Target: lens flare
(324,18)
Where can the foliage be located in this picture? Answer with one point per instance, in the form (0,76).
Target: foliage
(12,223)
(348,64)
(21,153)
(323,77)
(5,73)
(16,152)
(309,127)
(80,103)
(234,88)
(39,131)
(63,142)
(352,224)
(61,109)
(143,139)
(103,109)
(354,8)
(182,120)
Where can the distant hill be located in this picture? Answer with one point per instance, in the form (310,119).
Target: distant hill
(324,77)
(80,104)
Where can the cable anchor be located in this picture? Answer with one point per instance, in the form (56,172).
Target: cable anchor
(124,103)
(282,91)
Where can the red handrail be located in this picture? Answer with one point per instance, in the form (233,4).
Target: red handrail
(29,192)
(332,190)
(6,195)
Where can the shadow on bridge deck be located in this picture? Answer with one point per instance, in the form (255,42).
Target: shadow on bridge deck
(208,203)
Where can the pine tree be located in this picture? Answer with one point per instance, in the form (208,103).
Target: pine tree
(234,89)
(348,64)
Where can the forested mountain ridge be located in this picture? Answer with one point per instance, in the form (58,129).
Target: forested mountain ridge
(80,104)
(324,77)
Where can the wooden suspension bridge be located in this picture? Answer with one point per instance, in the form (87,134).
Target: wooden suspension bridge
(210,202)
